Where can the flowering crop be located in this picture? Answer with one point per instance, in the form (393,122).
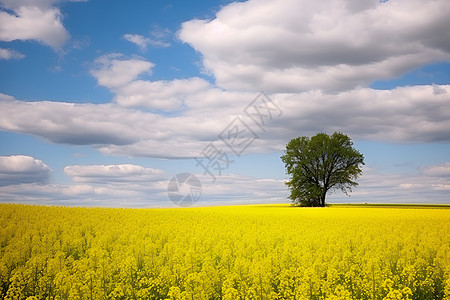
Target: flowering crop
(236,252)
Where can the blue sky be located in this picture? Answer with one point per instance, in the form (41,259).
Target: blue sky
(103,102)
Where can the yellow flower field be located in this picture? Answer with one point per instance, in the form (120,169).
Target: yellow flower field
(236,252)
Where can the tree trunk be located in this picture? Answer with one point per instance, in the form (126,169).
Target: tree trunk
(322,199)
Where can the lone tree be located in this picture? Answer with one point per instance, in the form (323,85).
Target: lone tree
(320,164)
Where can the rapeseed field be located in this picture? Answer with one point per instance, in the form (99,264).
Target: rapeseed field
(235,252)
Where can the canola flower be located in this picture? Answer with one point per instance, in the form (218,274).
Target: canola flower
(236,252)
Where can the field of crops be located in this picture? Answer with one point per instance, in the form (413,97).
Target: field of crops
(236,252)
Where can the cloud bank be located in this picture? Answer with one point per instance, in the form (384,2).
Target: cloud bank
(402,115)
(138,186)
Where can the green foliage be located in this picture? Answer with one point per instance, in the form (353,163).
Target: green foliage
(320,164)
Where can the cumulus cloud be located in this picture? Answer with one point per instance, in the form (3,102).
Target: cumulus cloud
(113,173)
(77,124)
(121,75)
(32,21)
(7,54)
(113,71)
(333,45)
(18,169)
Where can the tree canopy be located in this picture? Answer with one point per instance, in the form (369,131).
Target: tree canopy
(321,164)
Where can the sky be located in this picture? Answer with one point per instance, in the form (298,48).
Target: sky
(105,102)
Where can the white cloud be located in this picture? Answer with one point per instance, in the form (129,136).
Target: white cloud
(19,169)
(77,124)
(142,42)
(43,24)
(112,71)
(10,54)
(438,170)
(113,173)
(137,39)
(15,4)
(80,189)
(334,45)
(163,95)
(163,148)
